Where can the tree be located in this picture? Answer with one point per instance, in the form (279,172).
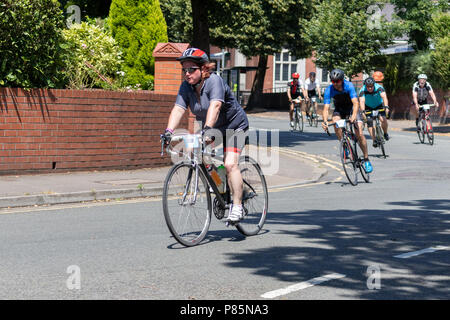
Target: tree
(349,34)
(137,26)
(417,15)
(178,15)
(93,9)
(441,54)
(262,28)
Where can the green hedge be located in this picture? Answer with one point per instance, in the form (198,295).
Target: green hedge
(137,25)
(94,58)
(31,43)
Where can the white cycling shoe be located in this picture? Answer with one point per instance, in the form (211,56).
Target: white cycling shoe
(236,213)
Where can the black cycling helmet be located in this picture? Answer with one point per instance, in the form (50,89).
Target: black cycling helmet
(336,74)
(369,81)
(312,74)
(194,54)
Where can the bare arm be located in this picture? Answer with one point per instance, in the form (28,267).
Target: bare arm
(213,113)
(433,96)
(385,99)
(355,109)
(362,103)
(416,103)
(175,117)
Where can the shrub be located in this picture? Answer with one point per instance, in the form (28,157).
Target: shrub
(137,25)
(31,43)
(94,57)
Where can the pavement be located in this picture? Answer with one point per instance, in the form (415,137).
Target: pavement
(116,185)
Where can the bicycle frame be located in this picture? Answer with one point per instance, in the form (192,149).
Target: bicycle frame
(195,156)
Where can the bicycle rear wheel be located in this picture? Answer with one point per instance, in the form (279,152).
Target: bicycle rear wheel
(187,208)
(430,134)
(421,132)
(348,159)
(255,197)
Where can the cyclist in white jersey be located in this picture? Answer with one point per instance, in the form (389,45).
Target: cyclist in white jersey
(312,89)
(421,90)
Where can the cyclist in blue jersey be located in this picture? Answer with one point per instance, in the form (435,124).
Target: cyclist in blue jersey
(373,97)
(210,99)
(345,105)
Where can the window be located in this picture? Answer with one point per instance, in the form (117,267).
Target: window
(277,71)
(285,66)
(285,72)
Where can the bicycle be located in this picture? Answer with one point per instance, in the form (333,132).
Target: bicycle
(379,135)
(298,116)
(187,201)
(424,125)
(312,116)
(348,152)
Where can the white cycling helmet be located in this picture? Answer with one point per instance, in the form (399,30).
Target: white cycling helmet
(422,76)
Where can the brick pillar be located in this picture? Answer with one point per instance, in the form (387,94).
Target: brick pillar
(168,75)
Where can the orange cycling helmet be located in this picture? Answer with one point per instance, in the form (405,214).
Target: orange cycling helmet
(378,76)
(295,75)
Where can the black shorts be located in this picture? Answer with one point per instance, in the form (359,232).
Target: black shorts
(344,113)
(368,111)
(312,93)
(235,140)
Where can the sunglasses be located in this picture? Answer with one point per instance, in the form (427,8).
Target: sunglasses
(190,69)
(336,81)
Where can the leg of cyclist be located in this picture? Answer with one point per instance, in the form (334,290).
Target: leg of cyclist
(291,114)
(363,143)
(371,131)
(235,141)
(384,126)
(336,117)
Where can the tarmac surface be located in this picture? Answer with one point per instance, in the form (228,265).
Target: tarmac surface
(116,185)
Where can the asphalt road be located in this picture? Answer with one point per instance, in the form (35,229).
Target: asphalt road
(387,239)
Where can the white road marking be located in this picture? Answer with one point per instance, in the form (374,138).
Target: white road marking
(302,285)
(419,252)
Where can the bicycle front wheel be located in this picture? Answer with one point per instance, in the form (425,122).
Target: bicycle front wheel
(380,139)
(315,119)
(348,159)
(187,204)
(421,132)
(430,134)
(299,119)
(255,197)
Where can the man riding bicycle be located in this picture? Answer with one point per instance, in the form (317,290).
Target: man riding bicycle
(372,96)
(294,91)
(421,90)
(210,99)
(312,87)
(345,105)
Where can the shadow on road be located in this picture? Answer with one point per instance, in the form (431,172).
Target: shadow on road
(348,242)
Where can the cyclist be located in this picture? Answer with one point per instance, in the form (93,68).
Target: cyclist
(345,105)
(373,97)
(293,92)
(312,89)
(210,99)
(421,90)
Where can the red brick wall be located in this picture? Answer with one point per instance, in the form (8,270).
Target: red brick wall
(61,130)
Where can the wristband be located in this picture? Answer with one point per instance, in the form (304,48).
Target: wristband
(170,130)
(206,128)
